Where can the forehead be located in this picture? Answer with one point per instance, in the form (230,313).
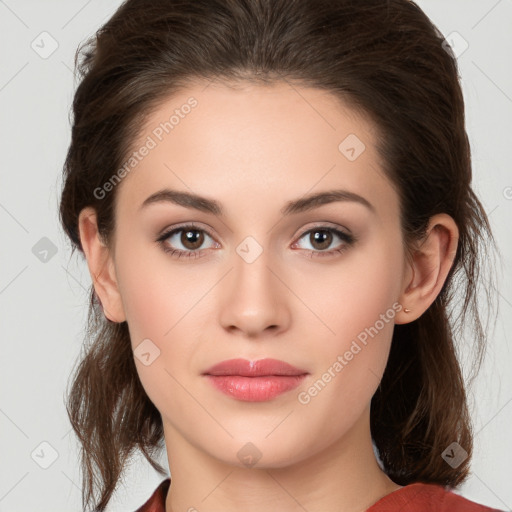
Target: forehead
(263,141)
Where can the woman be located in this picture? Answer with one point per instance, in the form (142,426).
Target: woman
(274,201)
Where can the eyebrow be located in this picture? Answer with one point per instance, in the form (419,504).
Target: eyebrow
(306,203)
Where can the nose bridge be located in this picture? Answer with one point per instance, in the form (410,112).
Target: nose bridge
(253,301)
(252,264)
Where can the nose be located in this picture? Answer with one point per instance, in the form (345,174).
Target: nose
(254,300)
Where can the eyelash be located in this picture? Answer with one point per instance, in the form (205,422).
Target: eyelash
(347,239)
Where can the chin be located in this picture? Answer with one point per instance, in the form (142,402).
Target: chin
(256,452)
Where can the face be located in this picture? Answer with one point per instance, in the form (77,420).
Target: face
(257,270)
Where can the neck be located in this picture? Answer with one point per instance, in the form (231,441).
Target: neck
(344,477)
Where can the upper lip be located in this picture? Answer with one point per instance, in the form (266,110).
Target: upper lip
(259,368)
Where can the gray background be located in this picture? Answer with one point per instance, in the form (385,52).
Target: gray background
(43,296)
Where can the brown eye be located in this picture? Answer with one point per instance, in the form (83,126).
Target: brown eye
(192,239)
(186,241)
(320,239)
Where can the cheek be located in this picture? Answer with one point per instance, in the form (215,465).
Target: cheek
(349,364)
(156,293)
(357,308)
(161,303)
(156,311)
(352,295)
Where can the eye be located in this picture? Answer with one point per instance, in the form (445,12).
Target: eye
(322,237)
(190,237)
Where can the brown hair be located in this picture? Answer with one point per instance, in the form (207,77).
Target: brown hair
(384,58)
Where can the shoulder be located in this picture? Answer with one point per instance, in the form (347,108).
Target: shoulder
(156,503)
(427,498)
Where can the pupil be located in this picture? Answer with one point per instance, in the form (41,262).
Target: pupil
(324,240)
(189,239)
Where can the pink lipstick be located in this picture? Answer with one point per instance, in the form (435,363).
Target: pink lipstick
(254,381)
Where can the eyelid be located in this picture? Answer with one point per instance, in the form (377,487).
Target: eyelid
(326,224)
(182,226)
(195,225)
(341,232)
(347,238)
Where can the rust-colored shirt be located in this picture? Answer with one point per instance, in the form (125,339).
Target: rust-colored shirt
(417,497)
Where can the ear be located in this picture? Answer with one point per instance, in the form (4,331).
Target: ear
(101,266)
(430,263)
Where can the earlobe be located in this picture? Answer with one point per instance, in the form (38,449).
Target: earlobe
(428,268)
(101,266)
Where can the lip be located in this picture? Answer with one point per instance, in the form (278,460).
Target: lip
(254,381)
(259,368)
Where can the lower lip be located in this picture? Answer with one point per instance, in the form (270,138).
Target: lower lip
(255,389)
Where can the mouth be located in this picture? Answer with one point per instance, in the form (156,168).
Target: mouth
(254,381)
(260,368)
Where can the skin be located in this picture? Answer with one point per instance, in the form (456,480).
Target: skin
(253,149)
